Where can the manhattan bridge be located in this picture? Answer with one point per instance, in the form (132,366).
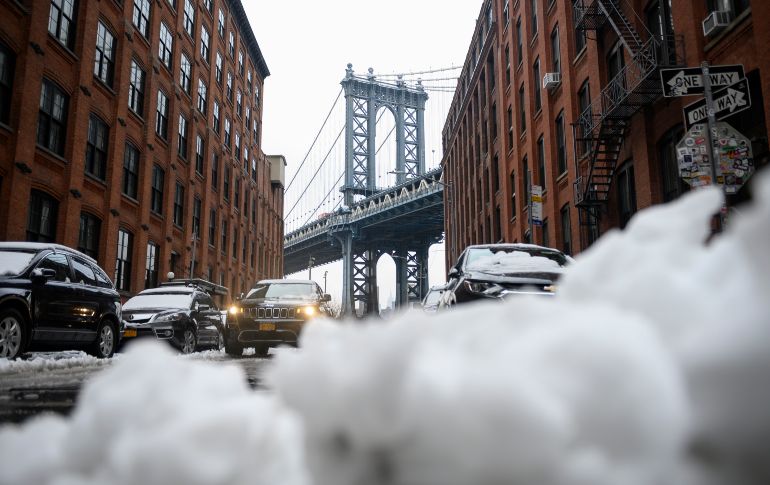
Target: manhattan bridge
(365,187)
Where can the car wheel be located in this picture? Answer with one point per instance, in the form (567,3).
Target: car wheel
(233,349)
(106,341)
(11,334)
(261,350)
(188,341)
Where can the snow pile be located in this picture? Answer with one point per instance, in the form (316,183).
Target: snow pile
(46,361)
(155,419)
(651,367)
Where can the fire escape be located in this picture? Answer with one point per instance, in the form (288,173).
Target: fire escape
(601,127)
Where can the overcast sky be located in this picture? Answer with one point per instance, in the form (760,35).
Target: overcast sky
(307,45)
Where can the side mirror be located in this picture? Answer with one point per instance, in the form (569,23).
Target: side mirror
(327,297)
(453,272)
(41,275)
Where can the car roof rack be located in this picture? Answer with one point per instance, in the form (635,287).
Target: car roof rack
(208,286)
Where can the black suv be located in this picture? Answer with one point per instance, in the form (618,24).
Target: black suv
(52,296)
(181,312)
(273,313)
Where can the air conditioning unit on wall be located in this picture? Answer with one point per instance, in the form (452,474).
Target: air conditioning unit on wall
(716,20)
(551,80)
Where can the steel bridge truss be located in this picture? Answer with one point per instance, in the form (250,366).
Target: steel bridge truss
(364,97)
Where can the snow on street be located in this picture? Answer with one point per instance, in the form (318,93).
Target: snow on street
(651,366)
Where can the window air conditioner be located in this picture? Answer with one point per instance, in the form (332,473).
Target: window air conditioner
(551,80)
(716,21)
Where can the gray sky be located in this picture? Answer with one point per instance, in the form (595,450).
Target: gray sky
(307,45)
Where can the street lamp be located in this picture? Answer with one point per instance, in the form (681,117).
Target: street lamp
(310,262)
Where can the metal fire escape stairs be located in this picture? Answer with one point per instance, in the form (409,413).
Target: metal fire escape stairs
(602,127)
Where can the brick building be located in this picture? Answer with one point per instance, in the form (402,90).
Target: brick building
(130,129)
(565,95)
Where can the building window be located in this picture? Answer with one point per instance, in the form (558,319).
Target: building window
(544,232)
(156,192)
(244,249)
(178,216)
(51,127)
(254,169)
(151,265)
(566,230)
(538,80)
(7,65)
(183,129)
(513,194)
(230,86)
(555,50)
(736,7)
(246,157)
(580,36)
(234,252)
(216,117)
(254,211)
(96,148)
(130,170)
(626,193)
(221,24)
(237,192)
(205,42)
(615,64)
(527,181)
(226,183)
(123,260)
(533,7)
(196,221)
(232,45)
(249,83)
(561,144)
(239,103)
(519,45)
(88,237)
(227,132)
(507,65)
(584,110)
(189,18)
(237,146)
(212,227)
(256,129)
(522,110)
(161,120)
(215,172)
(248,117)
(209,4)
(166,45)
(61,21)
(506,13)
(240,63)
(202,96)
(218,67)
(136,88)
(43,212)
(541,162)
(223,245)
(141,17)
(104,61)
(673,186)
(185,71)
(200,152)
(509,122)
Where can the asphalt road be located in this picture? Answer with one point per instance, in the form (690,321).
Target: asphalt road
(51,382)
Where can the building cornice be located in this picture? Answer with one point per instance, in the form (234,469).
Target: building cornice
(248,34)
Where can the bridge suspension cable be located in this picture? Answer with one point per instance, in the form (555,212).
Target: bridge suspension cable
(416,73)
(339,94)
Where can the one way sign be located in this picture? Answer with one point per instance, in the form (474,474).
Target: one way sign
(688,81)
(727,102)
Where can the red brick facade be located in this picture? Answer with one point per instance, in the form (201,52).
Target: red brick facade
(32,54)
(485,151)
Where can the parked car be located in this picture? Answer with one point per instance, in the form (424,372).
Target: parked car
(274,312)
(432,299)
(54,297)
(182,313)
(497,271)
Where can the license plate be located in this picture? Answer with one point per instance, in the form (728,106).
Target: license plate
(130,333)
(267,326)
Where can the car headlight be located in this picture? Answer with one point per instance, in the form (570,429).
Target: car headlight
(478,286)
(169,317)
(310,311)
(235,309)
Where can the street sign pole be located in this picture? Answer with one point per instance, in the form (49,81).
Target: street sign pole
(710,132)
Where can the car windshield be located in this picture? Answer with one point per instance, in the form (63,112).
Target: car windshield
(181,301)
(519,260)
(282,290)
(13,262)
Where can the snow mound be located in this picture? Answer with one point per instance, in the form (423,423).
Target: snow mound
(45,361)
(152,419)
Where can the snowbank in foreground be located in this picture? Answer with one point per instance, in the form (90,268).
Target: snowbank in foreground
(651,367)
(153,418)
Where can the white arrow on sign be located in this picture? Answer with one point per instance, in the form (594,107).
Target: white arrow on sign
(734,99)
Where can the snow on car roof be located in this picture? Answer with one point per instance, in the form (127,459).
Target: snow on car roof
(287,281)
(32,246)
(169,290)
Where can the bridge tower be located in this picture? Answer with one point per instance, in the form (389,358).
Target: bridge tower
(364,97)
